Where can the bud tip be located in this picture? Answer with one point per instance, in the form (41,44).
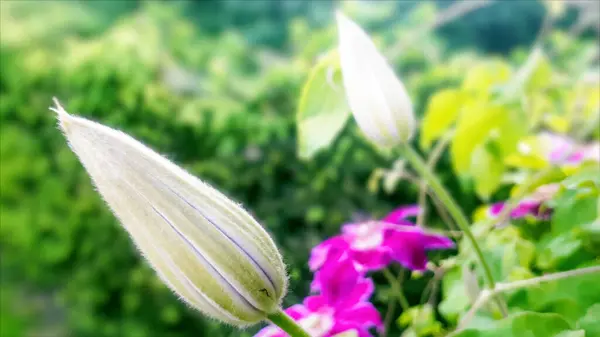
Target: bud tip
(61,113)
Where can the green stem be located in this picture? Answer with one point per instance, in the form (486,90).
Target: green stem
(461,220)
(287,324)
(397,288)
(504,287)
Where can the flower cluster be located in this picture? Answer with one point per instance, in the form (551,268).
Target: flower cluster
(373,245)
(532,205)
(562,150)
(340,264)
(558,150)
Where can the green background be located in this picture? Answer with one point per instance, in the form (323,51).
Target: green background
(214,86)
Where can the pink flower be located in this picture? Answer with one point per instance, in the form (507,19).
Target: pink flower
(373,245)
(341,306)
(563,150)
(531,205)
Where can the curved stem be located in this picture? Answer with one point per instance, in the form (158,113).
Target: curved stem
(461,220)
(397,288)
(396,284)
(287,324)
(504,287)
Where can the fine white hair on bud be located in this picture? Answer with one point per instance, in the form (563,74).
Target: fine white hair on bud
(378,100)
(204,246)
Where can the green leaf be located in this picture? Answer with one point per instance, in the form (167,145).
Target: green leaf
(474,126)
(323,110)
(483,77)
(525,324)
(421,319)
(442,110)
(558,250)
(487,169)
(574,212)
(456,300)
(590,323)
(587,176)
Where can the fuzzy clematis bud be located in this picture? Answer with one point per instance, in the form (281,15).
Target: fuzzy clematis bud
(204,246)
(378,100)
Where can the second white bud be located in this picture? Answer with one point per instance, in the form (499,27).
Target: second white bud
(378,100)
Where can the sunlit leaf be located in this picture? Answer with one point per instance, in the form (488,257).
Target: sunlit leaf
(473,128)
(322,111)
(442,110)
(421,319)
(487,169)
(482,78)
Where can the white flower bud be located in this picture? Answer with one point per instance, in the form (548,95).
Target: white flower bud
(205,247)
(377,98)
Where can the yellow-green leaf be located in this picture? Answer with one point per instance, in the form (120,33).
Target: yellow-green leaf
(487,169)
(322,111)
(473,128)
(483,77)
(442,111)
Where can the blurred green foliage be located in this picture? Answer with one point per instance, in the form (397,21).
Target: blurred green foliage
(221,105)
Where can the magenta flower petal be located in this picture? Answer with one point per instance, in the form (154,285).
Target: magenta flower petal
(271,331)
(337,279)
(375,259)
(408,245)
(315,303)
(331,248)
(433,241)
(363,314)
(297,311)
(362,291)
(524,208)
(396,216)
(496,208)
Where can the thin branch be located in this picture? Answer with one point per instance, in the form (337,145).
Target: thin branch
(453,12)
(504,287)
(432,161)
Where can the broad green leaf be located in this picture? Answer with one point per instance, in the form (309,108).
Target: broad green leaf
(535,73)
(421,319)
(525,324)
(587,175)
(482,78)
(322,111)
(554,251)
(590,323)
(486,168)
(574,212)
(456,301)
(474,126)
(442,110)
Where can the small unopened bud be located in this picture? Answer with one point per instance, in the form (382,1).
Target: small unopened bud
(204,246)
(378,100)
